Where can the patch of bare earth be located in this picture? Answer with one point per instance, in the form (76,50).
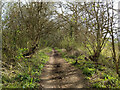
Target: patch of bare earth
(57,73)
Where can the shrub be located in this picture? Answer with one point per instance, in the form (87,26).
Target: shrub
(88,71)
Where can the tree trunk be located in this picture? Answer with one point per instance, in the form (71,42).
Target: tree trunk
(113,45)
(96,55)
(119,34)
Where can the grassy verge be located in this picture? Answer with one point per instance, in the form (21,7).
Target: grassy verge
(26,72)
(100,76)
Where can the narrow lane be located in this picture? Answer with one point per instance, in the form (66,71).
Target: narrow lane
(57,73)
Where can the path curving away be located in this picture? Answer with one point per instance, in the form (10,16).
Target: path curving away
(57,73)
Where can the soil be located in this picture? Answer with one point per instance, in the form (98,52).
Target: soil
(57,73)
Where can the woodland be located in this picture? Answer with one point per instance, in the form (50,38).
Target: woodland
(83,34)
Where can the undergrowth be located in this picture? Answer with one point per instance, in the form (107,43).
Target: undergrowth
(26,72)
(99,76)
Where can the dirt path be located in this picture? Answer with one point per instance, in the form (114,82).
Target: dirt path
(57,73)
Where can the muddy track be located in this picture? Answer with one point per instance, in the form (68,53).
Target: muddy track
(57,73)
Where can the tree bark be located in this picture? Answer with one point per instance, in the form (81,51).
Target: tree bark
(118,35)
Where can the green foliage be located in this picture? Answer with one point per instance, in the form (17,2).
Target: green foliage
(89,64)
(71,56)
(61,52)
(20,53)
(111,81)
(101,68)
(48,50)
(28,81)
(68,42)
(70,60)
(88,71)
(105,77)
(37,27)
(108,81)
(28,75)
(81,57)
(97,85)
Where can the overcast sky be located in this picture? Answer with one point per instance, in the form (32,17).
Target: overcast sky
(115,1)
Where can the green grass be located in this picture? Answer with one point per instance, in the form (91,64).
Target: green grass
(26,74)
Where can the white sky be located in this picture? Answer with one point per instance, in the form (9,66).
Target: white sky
(115,1)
